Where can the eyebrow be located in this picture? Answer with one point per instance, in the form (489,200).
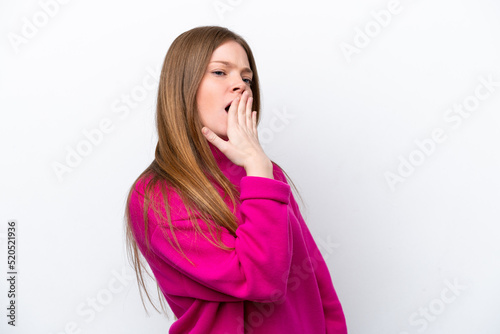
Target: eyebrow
(245,69)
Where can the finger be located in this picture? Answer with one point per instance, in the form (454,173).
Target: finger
(232,117)
(254,122)
(248,115)
(242,109)
(213,138)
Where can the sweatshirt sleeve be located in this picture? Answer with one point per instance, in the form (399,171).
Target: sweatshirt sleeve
(334,315)
(253,270)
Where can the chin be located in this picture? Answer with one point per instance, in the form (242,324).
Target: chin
(222,134)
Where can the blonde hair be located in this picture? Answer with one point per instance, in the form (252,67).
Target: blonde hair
(183,159)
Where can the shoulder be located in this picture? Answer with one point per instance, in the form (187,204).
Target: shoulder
(140,192)
(152,188)
(157,197)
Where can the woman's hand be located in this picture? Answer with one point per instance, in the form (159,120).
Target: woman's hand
(243,147)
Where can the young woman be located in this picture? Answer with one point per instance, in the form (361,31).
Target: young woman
(212,215)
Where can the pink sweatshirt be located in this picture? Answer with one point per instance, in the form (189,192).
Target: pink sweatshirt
(275,281)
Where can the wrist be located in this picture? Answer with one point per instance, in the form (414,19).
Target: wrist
(262,167)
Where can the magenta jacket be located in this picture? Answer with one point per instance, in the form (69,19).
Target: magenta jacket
(275,281)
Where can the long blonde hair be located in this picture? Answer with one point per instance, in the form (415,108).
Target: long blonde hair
(183,159)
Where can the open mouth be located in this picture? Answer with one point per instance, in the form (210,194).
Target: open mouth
(228,106)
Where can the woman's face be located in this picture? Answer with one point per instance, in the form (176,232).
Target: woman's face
(227,76)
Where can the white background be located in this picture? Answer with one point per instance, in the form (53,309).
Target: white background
(393,251)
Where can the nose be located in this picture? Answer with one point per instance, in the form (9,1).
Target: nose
(239,86)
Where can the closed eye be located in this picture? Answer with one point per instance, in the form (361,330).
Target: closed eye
(218,73)
(221,73)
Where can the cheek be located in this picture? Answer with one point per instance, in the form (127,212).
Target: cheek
(203,91)
(207,94)
(203,100)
